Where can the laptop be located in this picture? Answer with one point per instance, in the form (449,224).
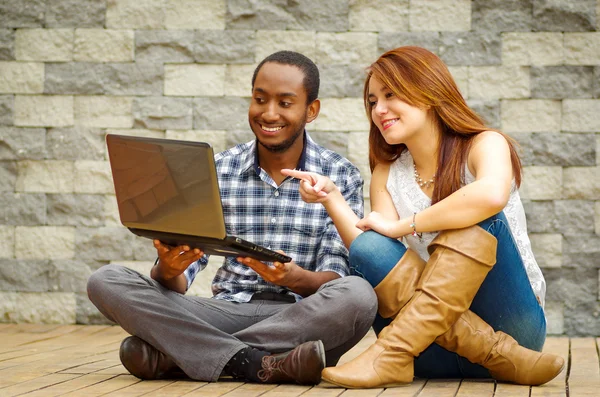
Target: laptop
(168,190)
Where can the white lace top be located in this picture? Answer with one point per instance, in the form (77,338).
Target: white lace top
(409,198)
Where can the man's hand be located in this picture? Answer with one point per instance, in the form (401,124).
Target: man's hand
(314,188)
(172,261)
(282,274)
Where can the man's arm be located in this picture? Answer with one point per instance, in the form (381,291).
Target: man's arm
(171,263)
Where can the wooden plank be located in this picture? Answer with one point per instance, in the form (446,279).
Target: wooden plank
(287,391)
(476,388)
(75,384)
(140,388)
(102,388)
(440,388)
(176,389)
(584,376)
(322,391)
(409,390)
(35,384)
(362,392)
(250,390)
(509,390)
(215,389)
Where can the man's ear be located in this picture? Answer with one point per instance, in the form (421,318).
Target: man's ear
(313,110)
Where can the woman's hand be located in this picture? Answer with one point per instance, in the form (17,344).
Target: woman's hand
(382,225)
(314,188)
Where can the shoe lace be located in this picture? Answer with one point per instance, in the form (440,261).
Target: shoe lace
(269,366)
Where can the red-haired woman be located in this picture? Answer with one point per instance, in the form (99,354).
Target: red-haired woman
(463,295)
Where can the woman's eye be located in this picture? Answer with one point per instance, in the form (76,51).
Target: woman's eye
(389,95)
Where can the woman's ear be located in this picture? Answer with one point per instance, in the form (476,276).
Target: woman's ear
(313,110)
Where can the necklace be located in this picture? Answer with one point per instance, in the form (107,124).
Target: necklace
(420,181)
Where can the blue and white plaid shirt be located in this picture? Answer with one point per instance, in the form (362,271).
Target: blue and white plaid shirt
(258,210)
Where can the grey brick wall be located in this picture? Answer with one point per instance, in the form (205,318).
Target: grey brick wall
(73,70)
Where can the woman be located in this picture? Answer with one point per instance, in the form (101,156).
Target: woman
(447,185)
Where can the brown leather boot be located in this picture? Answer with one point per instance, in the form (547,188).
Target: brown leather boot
(460,260)
(144,361)
(507,361)
(302,365)
(398,286)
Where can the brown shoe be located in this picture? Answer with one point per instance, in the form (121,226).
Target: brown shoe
(146,362)
(302,365)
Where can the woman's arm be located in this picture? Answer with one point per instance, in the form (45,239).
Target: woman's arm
(489,161)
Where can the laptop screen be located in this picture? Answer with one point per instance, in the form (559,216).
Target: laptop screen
(166,185)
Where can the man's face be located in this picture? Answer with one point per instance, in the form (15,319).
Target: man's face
(278,111)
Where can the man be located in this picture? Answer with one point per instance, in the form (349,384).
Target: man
(270,323)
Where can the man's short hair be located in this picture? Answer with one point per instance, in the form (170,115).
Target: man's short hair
(309,69)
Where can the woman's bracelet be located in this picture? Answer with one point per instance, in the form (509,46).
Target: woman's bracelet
(414,227)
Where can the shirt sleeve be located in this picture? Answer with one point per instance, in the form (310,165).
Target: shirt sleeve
(195,268)
(333,255)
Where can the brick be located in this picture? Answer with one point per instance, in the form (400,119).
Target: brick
(8,176)
(563,149)
(48,176)
(137,132)
(221,113)
(236,137)
(217,46)
(583,319)
(104,111)
(479,49)
(338,81)
(101,45)
(270,41)
(488,110)
(581,251)
(390,40)
(104,243)
(560,216)
(162,113)
(195,14)
(139,78)
(564,16)
(44,45)
(194,80)
(93,177)
(582,48)
(540,49)
(22,209)
(75,209)
(460,74)
(7,236)
(597,217)
(341,114)
(336,141)
(135,14)
(345,48)
(68,275)
(238,80)
(358,154)
(22,143)
(555,318)
(492,82)
(530,115)
(7,106)
(38,308)
(581,183)
(542,183)
(111,211)
(524,147)
(558,82)
(440,15)
(374,15)
(329,15)
(22,14)
(217,139)
(76,143)
(172,46)
(580,115)
(21,77)
(547,249)
(11,275)
(43,111)
(502,15)
(76,13)
(44,242)
(7,44)
(596,81)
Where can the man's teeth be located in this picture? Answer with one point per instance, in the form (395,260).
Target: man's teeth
(271,129)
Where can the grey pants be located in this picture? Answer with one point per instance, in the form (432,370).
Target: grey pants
(202,334)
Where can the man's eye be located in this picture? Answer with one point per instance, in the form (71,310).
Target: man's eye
(286,104)
(259,100)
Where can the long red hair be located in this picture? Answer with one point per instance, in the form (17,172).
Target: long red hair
(419,78)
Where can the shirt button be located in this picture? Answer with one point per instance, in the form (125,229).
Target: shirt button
(273,220)
(276,193)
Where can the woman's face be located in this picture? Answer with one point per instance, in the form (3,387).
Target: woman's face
(397,121)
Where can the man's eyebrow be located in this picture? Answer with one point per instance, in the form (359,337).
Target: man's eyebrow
(282,94)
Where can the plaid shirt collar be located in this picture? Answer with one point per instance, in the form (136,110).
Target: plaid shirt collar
(250,161)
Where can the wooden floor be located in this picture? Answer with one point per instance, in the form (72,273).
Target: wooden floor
(73,360)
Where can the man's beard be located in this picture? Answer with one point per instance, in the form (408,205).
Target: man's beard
(285,145)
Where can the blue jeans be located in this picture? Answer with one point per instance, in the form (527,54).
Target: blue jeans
(505,300)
